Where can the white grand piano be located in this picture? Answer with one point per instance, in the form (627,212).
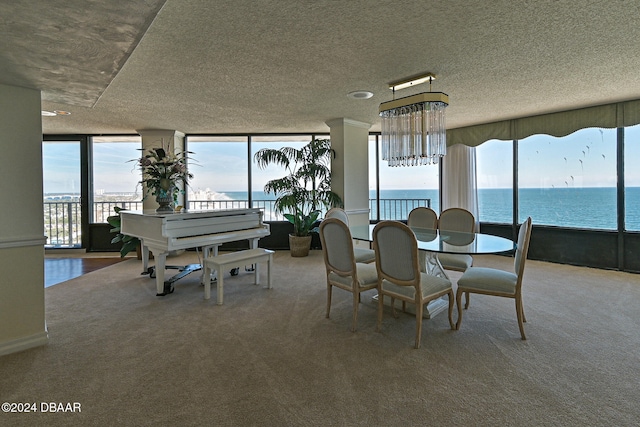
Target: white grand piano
(163,232)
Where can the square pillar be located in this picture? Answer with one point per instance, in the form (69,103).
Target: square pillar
(350,167)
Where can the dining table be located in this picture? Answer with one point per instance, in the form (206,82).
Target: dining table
(435,241)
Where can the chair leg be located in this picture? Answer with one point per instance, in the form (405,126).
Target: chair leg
(451,297)
(356,302)
(419,308)
(393,308)
(459,305)
(466,301)
(380,309)
(329,289)
(520,314)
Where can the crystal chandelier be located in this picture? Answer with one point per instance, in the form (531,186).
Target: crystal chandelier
(413,127)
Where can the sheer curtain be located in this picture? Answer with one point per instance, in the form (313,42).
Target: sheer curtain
(459,183)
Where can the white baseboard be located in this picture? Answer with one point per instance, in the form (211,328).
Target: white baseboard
(24,343)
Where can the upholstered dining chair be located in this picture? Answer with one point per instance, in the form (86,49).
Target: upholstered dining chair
(362,254)
(490,281)
(342,269)
(456,219)
(399,275)
(422,217)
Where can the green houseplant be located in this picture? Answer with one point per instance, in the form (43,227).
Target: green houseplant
(162,170)
(129,243)
(306,188)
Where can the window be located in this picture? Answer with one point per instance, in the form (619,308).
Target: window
(494,167)
(220,172)
(373,177)
(569,181)
(61,184)
(259,177)
(116,176)
(632,177)
(404,188)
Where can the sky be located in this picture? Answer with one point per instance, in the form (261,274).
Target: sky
(586,158)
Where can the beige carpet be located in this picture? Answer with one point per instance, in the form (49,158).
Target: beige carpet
(270,358)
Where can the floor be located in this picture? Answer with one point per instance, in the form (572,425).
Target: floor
(60,268)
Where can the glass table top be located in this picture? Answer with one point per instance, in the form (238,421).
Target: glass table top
(444,241)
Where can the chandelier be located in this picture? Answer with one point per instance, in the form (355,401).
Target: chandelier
(413,127)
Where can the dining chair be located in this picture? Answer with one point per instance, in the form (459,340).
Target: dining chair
(399,275)
(342,269)
(456,219)
(362,254)
(490,281)
(423,217)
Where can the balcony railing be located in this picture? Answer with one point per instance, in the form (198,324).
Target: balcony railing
(63,226)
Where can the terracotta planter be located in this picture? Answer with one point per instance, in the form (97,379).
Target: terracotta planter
(299,246)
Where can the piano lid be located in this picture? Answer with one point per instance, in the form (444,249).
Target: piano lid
(188,214)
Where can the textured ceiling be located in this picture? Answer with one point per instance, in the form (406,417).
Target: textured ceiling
(202,66)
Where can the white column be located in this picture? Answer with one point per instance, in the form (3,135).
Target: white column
(154,138)
(22,315)
(350,167)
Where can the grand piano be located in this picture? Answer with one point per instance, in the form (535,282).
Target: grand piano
(163,232)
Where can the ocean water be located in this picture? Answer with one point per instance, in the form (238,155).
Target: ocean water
(591,208)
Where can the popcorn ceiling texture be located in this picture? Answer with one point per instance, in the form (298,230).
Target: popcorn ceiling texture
(280,66)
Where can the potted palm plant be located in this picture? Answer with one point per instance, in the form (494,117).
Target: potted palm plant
(306,188)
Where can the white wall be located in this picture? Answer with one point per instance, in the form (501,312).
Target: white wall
(22,314)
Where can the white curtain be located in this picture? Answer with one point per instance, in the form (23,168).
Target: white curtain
(459,182)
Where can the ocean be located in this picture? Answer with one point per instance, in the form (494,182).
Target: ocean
(590,208)
(587,208)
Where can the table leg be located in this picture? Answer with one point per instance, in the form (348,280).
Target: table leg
(432,265)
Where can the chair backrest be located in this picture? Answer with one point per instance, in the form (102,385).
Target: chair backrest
(457,219)
(337,246)
(524,235)
(338,213)
(423,217)
(396,253)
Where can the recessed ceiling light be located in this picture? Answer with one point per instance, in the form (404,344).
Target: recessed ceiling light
(55,113)
(360,94)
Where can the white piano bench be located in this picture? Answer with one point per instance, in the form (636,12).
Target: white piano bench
(234,259)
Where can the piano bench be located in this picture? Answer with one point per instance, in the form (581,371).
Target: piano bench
(234,259)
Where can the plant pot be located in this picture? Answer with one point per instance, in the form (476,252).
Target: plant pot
(299,246)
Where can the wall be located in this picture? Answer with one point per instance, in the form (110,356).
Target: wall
(22,314)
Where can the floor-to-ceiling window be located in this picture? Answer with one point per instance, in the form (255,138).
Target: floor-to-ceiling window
(259,176)
(632,177)
(569,181)
(220,169)
(374,203)
(116,175)
(494,167)
(404,188)
(62,191)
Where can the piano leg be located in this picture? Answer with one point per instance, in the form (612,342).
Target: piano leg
(254,245)
(161,261)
